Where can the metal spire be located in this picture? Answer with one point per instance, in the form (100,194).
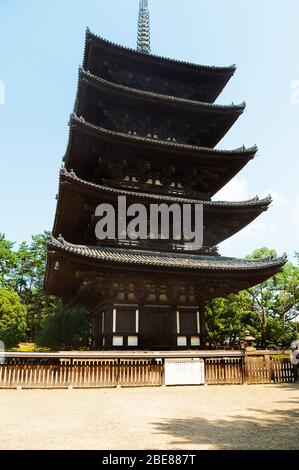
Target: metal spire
(144,35)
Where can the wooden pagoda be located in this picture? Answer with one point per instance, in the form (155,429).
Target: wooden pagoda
(146,127)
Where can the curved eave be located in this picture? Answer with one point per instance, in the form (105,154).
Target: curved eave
(208,123)
(158,145)
(222,219)
(86,137)
(101,190)
(68,266)
(150,58)
(159,99)
(160,65)
(152,260)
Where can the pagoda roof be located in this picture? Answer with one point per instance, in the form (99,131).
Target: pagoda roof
(213,276)
(176,148)
(98,49)
(222,219)
(168,260)
(90,140)
(250,203)
(71,268)
(219,117)
(159,98)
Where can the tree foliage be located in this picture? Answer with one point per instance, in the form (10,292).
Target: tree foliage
(12,318)
(228,318)
(7,262)
(277,298)
(65,328)
(268,310)
(279,332)
(23,270)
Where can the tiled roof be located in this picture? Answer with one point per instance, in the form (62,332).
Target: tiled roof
(167,260)
(252,203)
(157,98)
(251,151)
(230,70)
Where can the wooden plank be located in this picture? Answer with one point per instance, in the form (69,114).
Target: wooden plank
(142,372)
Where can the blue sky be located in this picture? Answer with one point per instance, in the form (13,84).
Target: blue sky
(41,47)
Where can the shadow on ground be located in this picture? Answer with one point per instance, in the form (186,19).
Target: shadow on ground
(258,430)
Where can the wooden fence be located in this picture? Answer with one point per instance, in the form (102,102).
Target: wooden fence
(282,371)
(107,374)
(258,370)
(53,371)
(220,371)
(250,369)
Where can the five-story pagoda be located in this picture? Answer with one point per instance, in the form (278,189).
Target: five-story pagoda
(146,127)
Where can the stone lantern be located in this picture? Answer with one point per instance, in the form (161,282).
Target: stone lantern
(248,341)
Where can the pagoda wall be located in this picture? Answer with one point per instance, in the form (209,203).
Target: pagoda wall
(146,326)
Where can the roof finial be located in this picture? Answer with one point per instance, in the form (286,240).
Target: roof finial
(144,35)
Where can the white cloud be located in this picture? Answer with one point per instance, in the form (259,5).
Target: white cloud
(255,235)
(258,232)
(238,190)
(278,228)
(295,212)
(276,196)
(235,190)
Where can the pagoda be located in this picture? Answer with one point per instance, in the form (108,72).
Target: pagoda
(146,127)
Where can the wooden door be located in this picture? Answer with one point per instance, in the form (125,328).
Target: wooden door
(158,331)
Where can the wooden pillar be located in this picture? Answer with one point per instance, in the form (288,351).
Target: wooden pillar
(108,326)
(174,326)
(141,323)
(96,324)
(203,325)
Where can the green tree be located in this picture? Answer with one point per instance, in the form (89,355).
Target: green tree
(12,318)
(65,328)
(280,332)
(22,270)
(276,298)
(228,318)
(267,310)
(7,262)
(28,281)
(285,305)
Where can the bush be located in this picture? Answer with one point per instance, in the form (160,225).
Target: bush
(65,328)
(12,318)
(280,332)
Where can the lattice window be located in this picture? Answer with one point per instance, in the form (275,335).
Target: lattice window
(125,321)
(188,322)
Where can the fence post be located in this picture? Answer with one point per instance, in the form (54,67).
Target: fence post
(118,366)
(269,367)
(245,368)
(163,372)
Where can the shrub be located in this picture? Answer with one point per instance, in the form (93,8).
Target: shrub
(12,318)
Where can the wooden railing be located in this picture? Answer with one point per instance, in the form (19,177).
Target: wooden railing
(258,370)
(220,371)
(282,371)
(102,374)
(267,369)
(97,370)
(141,373)
(251,368)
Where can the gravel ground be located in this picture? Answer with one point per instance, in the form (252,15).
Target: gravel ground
(178,418)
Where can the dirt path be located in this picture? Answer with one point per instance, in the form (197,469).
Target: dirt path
(214,417)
